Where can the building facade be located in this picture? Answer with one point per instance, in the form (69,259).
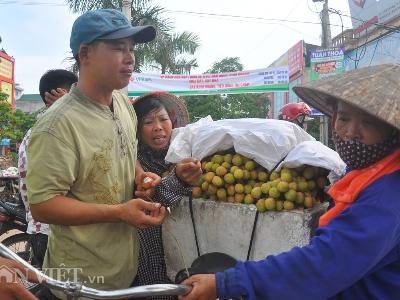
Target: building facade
(29,103)
(374,40)
(7,76)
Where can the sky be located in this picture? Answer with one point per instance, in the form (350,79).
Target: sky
(36,33)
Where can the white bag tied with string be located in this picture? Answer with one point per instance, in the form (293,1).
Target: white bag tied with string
(182,138)
(315,154)
(266,141)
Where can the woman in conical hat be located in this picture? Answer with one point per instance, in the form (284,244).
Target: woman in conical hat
(355,254)
(158,114)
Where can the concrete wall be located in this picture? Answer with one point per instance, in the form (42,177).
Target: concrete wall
(226,227)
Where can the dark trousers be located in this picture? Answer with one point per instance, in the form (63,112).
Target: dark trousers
(39,246)
(45,294)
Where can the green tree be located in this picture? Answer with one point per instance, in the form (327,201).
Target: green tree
(13,125)
(3,96)
(228,64)
(232,106)
(168,52)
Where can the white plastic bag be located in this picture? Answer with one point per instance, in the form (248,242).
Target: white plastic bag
(315,154)
(10,172)
(266,141)
(181,140)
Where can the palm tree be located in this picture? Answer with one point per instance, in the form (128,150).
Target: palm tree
(165,53)
(184,66)
(170,51)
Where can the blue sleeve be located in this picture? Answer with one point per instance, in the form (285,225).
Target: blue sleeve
(339,255)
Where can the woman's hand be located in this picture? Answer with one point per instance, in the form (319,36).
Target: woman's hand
(145,184)
(204,287)
(189,171)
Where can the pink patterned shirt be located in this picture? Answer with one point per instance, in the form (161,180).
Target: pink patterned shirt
(33,226)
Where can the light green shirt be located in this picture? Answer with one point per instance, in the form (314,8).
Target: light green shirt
(83,150)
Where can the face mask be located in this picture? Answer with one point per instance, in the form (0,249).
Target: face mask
(358,155)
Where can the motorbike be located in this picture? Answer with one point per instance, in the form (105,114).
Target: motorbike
(12,210)
(13,225)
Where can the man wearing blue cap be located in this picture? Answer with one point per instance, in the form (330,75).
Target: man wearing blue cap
(82,157)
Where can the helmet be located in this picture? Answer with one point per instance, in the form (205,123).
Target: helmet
(295,112)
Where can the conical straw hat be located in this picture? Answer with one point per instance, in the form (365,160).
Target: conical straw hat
(175,106)
(375,90)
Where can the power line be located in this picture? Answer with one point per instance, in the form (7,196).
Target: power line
(364,46)
(30,3)
(373,54)
(378,40)
(274,29)
(203,14)
(200,14)
(363,21)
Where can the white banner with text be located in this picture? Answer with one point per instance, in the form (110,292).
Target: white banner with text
(254,81)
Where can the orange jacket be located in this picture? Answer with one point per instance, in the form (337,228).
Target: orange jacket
(346,190)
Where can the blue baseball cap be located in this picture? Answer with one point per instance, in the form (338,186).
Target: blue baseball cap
(106,24)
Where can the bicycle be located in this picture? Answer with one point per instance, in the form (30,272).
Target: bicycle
(74,290)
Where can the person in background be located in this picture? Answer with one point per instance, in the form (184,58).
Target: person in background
(52,86)
(158,114)
(82,155)
(355,251)
(297,113)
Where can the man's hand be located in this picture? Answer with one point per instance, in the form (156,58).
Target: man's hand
(142,214)
(54,95)
(15,290)
(146,193)
(204,287)
(189,171)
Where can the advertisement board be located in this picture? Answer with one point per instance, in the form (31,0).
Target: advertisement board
(254,81)
(366,13)
(295,60)
(7,76)
(326,62)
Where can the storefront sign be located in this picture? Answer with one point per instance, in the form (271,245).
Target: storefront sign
(6,68)
(295,60)
(7,77)
(325,63)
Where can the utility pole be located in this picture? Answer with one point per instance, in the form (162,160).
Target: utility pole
(326,43)
(326,38)
(127,11)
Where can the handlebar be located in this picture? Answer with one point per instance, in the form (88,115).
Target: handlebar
(75,290)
